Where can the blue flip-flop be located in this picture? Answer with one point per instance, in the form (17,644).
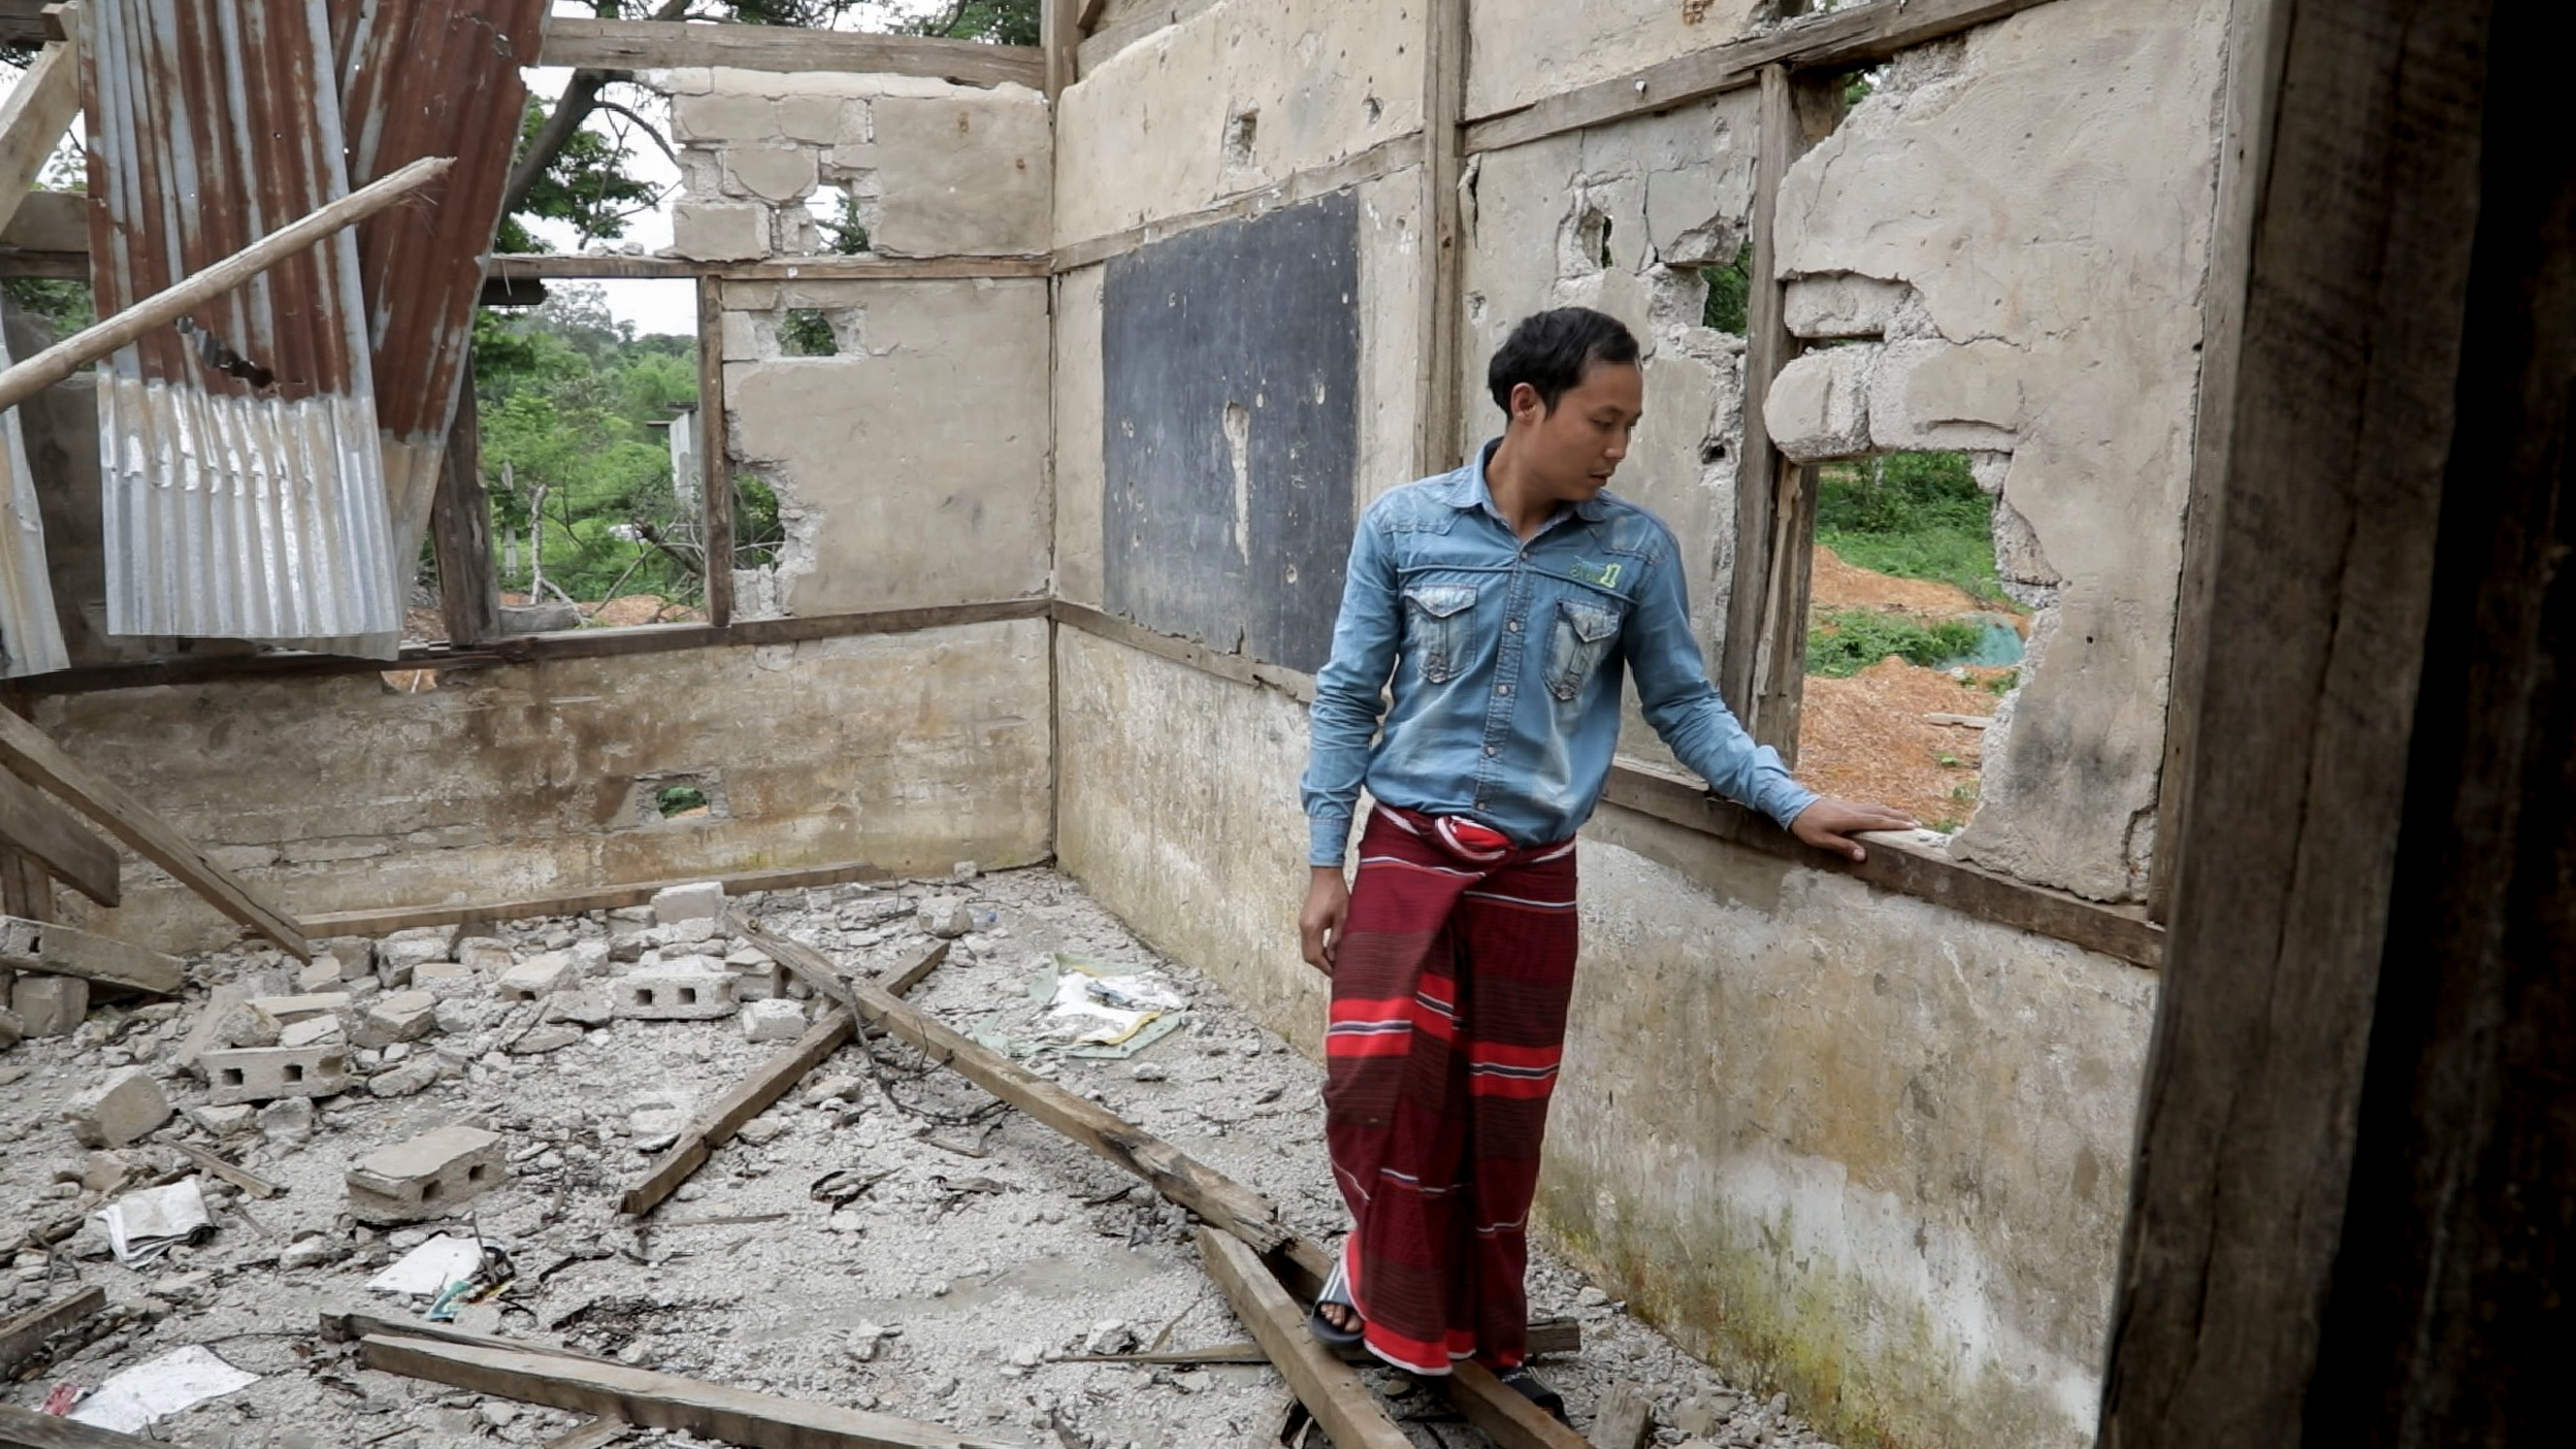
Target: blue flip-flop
(1337,1291)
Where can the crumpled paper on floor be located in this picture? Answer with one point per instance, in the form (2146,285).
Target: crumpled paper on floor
(143,1225)
(431,1267)
(158,1388)
(1087,1008)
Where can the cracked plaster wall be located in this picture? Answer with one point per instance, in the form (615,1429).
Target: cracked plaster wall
(2019,222)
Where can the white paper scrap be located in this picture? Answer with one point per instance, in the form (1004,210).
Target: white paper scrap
(143,1225)
(429,1268)
(158,1388)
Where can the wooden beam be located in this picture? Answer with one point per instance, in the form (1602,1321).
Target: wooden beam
(24,1333)
(1439,443)
(25,749)
(49,221)
(351,1327)
(1548,1337)
(469,596)
(70,951)
(666,45)
(1060,25)
(88,345)
(27,1429)
(715,468)
(1328,1388)
(754,1094)
(2400,258)
(1172,1172)
(1768,348)
(657,1401)
(593,1434)
(1841,39)
(526,267)
(240,1177)
(1503,1413)
(33,117)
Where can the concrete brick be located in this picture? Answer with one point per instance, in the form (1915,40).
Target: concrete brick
(12,1029)
(403,1016)
(288,1119)
(409,1079)
(400,952)
(263,1074)
(49,1005)
(701,901)
(675,993)
(299,1008)
(312,1031)
(591,957)
(816,120)
(719,231)
(486,955)
(322,973)
(777,174)
(242,1022)
(427,1177)
(545,1039)
(225,1121)
(588,1007)
(538,976)
(773,1021)
(723,116)
(762,980)
(692,933)
(356,955)
(444,979)
(1818,407)
(125,1107)
(1843,305)
(969,172)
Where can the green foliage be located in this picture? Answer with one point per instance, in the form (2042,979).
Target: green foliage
(807,333)
(996,22)
(758,532)
(1847,641)
(679,800)
(568,395)
(1913,516)
(1730,294)
(586,185)
(64,305)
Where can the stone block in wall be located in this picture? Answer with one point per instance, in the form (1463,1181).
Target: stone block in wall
(818,120)
(960,175)
(1818,407)
(1843,305)
(1935,395)
(719,231)
(723,116)
(773,173)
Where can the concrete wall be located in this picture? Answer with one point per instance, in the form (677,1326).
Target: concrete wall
(1842,1142)
(1519,52)
(904,751)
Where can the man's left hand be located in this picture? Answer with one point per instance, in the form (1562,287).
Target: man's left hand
(1830,824)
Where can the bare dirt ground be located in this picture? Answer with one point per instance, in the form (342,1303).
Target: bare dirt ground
(982,1257)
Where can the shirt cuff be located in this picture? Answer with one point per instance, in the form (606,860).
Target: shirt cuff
(1788,801)
(1328,839)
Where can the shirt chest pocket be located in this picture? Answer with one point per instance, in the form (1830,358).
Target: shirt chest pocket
(1584,632)
(1435,626)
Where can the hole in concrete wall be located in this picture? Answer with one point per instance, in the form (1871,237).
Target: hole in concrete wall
(590,456)
(677,797)
(1912,635)
(844,218)
(1727,307)
(1240,132)
(807,332)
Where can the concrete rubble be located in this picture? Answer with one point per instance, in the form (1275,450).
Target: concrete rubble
(884,1237)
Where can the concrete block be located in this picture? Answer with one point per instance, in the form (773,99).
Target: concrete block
(659,1116)
(773,1021)
(323,973)
(719,231)
(444,979)
(243,1022)
(757,981)
(815,120)
(121,1109)
(545,1039)
(409,1079)
(398,953)
(356,955)
(225,1121)
(692,933)
(201,1035)
(963,173)
(547,618)
(49,1005)
(588,1007)
(1818,407)
(299,1008)
(486,955)
(1843,305)
(947,920)
(312,1031)
(674,993)
(427,1177)
(776,174)
(12,1029)
(403,1016)
(702,901)
(289,1119)
(263,1074)
(1932,395)
(591,957)
(723,116)
(538,976)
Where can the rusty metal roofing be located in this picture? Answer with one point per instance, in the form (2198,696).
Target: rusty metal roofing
(429,78)
(244,482)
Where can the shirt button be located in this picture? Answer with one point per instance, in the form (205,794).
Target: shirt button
(1492,750)
(1503,689)
(1515,626)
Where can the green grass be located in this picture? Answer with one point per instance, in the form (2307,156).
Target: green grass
(1912,516)
(1847,641)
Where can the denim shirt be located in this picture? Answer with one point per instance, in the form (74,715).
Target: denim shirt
(1505,661)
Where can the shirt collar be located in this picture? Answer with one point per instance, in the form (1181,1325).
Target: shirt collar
(1466,489)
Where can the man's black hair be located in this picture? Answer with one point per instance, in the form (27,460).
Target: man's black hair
(1549,351)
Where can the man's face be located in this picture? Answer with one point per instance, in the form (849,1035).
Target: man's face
(1573,451)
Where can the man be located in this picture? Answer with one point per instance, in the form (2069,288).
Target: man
(1474,685)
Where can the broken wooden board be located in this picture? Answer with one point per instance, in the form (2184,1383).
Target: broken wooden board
(36,824)
(1172,1172)
(1547,1336)
(654,1400)
(754,1094)
(25,749)
(24,1334)
(1328,1388)
(26,1429)
(1506,1417)
(70,951)
(350,1327)
(240,1177)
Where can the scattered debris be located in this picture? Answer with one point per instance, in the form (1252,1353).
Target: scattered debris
(143,1225)
(158,1388)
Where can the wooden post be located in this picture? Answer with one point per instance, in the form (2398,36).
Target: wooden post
(33,117)
(1060,36)
(1768,348)
(461,526)
(2348,1220)
(715,473)
(1438,444)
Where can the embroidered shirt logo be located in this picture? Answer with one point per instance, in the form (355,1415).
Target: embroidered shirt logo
(1600,576)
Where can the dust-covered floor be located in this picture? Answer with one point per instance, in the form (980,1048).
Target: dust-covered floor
(882,1238)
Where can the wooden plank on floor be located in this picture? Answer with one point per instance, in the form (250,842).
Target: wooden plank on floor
(27,1429)
(1173,1173)
(1507,1418)
(351,1327)
(25,749)
(1328,1388)
(754,1094)
(60,950)
(655,1400)
(34,823)
(22,1335)
(1547,1337)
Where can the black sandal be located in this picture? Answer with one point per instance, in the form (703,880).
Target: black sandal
(1337,1292)
(1533,1388)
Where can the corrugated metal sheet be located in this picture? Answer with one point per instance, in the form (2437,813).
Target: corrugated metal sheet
(429,78)
(245,491)
(31,637)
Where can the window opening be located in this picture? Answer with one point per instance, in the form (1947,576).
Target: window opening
(1911,640)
